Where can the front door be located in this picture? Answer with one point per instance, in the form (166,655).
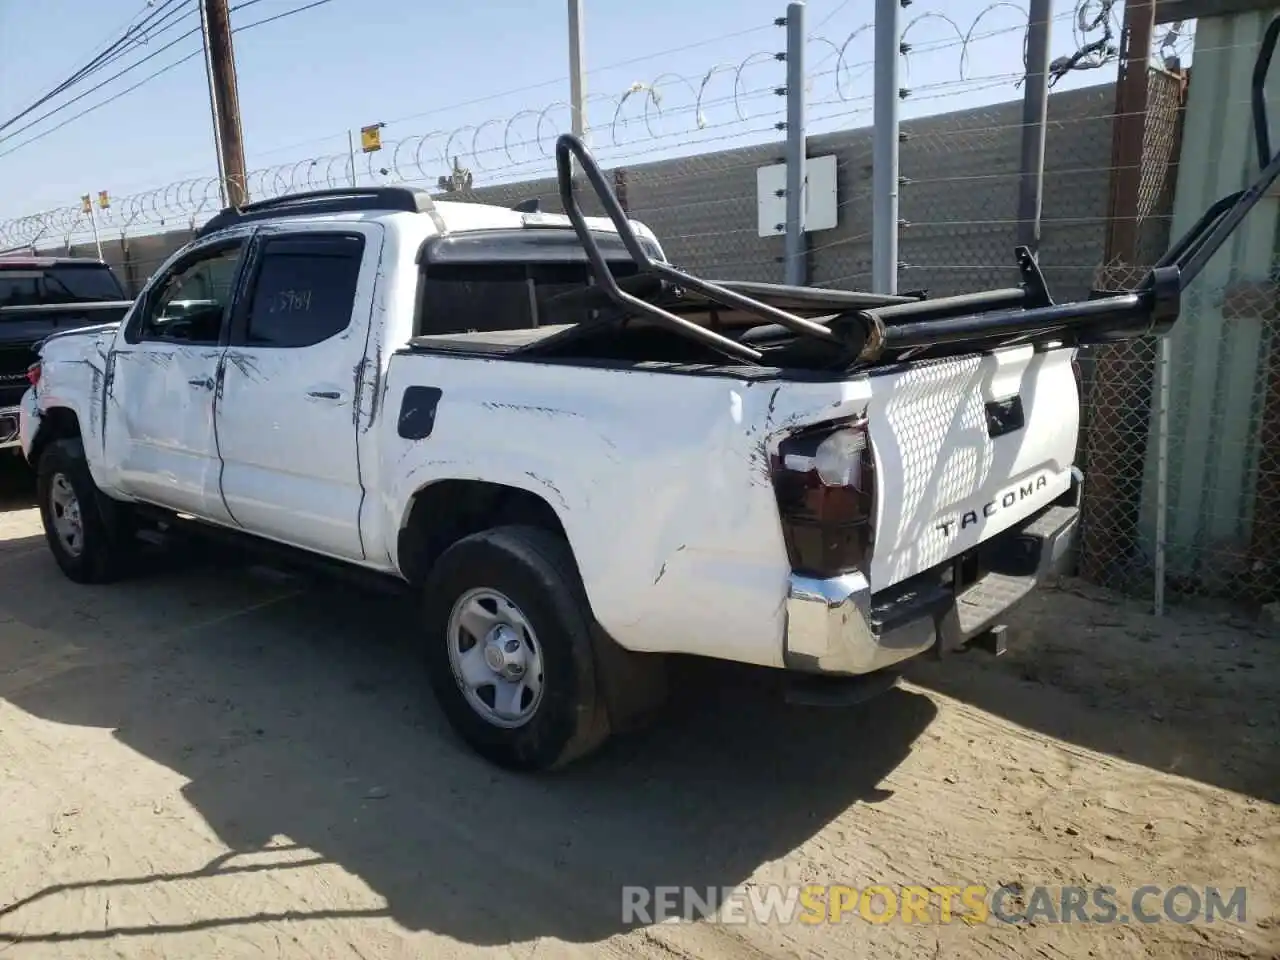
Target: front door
(158,429)
(286,410)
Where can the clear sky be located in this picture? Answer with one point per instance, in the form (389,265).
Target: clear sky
(422,67)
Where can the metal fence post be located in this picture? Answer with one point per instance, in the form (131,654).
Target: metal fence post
(1162,472)
(93,222)
(577,78)
(796,146)
(1035,108)
(884,178)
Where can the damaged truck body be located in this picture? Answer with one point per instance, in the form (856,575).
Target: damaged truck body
(581,458)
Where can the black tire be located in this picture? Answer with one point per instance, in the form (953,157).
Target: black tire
(535,570)
(106,542)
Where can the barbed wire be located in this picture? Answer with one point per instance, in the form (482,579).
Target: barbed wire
(668,106)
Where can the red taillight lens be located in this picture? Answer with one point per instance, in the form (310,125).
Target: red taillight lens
(825,484)
(33,374)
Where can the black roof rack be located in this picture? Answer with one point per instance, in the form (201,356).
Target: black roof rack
(337,200)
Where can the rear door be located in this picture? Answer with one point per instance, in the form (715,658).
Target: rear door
(286,405)
(965,448)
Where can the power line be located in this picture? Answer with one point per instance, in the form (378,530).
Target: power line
(117,50)
(152,76)
(241,6)
(278,16)
(114,36)
(149,31)
(612,66)
(111,79)
(113,51)
(127,90)
(831,14)
(697,44)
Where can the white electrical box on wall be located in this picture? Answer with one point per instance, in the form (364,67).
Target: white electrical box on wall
(820,208)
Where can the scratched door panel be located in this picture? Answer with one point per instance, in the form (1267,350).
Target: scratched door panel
(287,403)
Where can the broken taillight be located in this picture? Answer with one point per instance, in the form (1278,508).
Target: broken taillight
(33,373)
(824,479)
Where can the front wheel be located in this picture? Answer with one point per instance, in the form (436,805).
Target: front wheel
(509,649)
(86,531)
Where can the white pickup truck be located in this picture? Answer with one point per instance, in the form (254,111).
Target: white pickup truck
(581,457)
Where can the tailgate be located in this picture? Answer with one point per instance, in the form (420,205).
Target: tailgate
(965,448)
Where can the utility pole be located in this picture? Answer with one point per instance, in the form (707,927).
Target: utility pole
(796,145)
(884,155)
(1127,132)
(213,104)
(225,98)
(1035,109)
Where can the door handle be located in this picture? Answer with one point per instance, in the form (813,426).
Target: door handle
(205,382)
(325,394)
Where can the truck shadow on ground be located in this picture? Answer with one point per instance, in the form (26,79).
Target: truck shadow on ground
(306,722)
(1193,694)
(17,484)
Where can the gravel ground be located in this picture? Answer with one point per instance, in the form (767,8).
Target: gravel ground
(229,763)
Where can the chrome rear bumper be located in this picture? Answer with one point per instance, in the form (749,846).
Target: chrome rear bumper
(836,626)
(830,629)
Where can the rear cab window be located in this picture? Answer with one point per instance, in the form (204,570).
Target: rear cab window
(502,296)
(509,280)
(304,290)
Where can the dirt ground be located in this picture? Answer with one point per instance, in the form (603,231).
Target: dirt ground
(222,764)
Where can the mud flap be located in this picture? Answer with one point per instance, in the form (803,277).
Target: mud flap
(633,685)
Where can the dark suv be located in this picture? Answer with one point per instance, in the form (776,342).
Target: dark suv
(40,296)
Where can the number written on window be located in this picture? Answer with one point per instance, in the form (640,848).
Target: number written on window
(288,301)
(305,290)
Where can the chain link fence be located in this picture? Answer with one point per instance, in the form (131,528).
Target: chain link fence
(1118,380)
(1178,437)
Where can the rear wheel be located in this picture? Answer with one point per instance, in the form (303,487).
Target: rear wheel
(509,649)
(88,534)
